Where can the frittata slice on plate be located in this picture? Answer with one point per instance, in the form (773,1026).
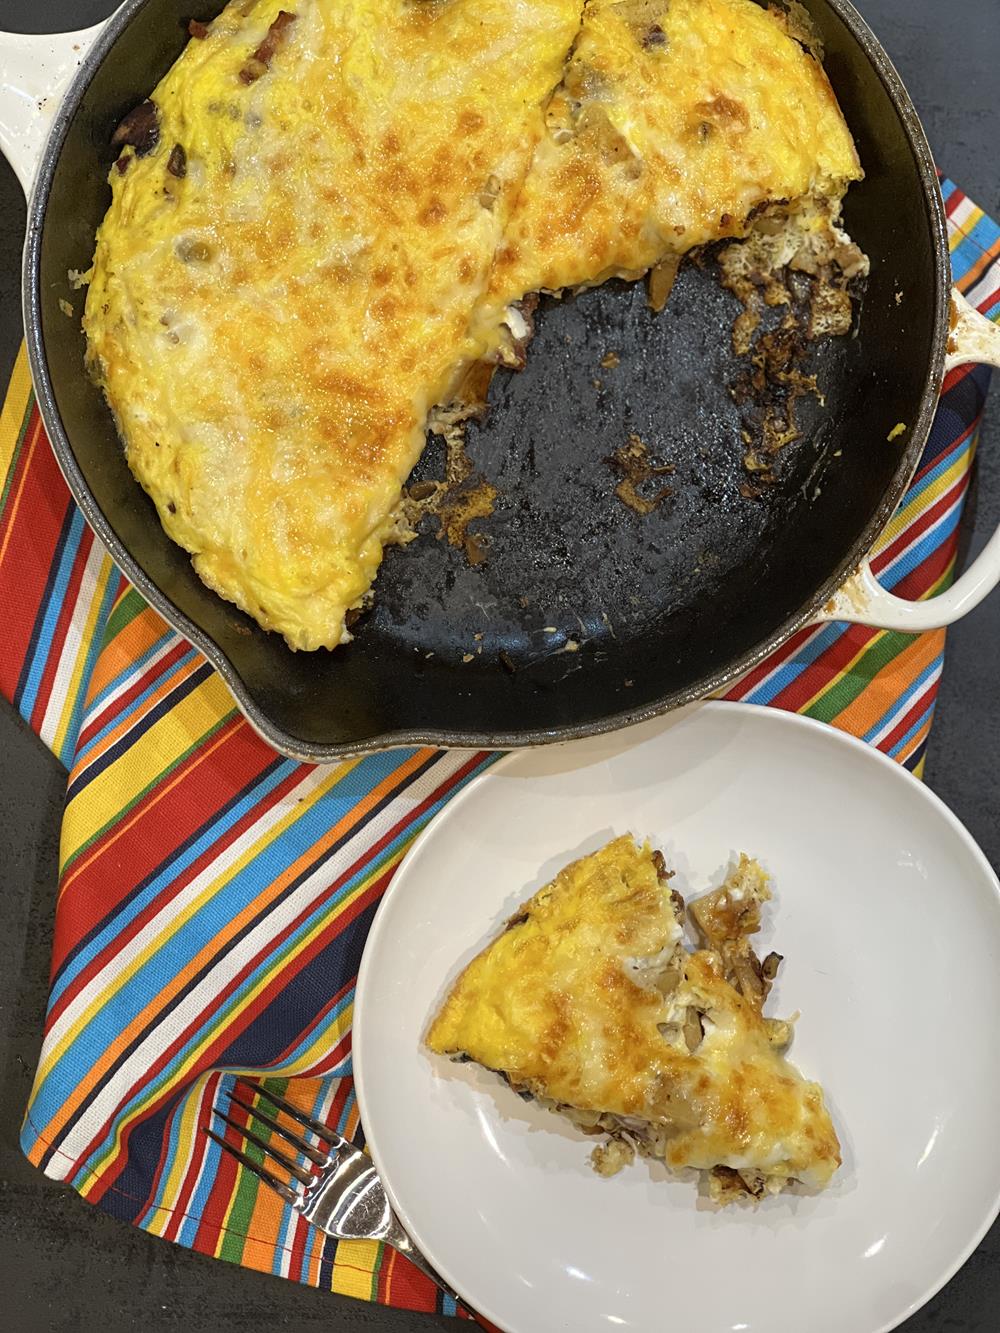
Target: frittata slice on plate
(590,1003)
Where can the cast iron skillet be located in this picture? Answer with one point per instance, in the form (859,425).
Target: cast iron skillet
(585,616)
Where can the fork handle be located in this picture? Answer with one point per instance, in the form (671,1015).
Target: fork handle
(400,1241)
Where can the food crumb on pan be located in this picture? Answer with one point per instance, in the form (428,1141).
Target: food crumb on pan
(65,307)
(461,507)
(467,657)
(636,467)
(661,281)
(798,258)
(610,360)
(896,431)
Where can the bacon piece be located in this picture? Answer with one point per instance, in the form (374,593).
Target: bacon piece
(260,62)
(197,29)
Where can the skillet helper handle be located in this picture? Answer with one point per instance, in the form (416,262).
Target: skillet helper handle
(35,71)
(862,599)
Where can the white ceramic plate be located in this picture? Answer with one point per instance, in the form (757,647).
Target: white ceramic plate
(889,919)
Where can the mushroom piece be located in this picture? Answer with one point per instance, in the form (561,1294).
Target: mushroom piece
(693,1029)
(769,967)
(140,129)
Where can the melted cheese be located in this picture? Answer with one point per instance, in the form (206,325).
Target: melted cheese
(676,120)
(272,328)
(566,1004)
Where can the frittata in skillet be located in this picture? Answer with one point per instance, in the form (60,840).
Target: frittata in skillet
(326,213)
(676,121)
(283,284)
(590,1003)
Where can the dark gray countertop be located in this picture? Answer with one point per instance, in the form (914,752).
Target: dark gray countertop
(69,1269)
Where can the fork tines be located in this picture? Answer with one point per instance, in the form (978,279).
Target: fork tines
(270,1150)
(275,1126)
(261,1172)
(318,1128)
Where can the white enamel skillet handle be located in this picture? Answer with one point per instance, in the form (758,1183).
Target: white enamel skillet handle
(862,599)
(35,72)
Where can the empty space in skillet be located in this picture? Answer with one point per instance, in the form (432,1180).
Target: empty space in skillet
(645,609)
(570,568)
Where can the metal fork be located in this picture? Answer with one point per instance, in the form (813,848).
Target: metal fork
(342,1194)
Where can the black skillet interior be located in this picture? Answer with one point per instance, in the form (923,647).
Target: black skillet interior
(583,610)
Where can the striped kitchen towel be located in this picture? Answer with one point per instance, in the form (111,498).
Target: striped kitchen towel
(214,898)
